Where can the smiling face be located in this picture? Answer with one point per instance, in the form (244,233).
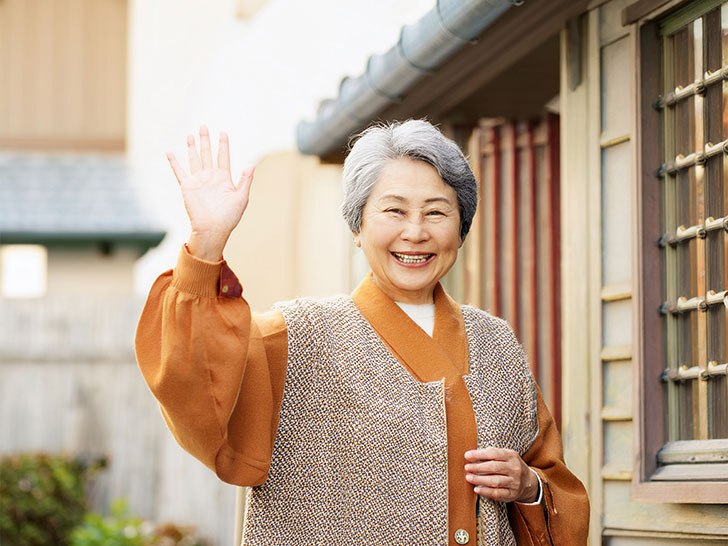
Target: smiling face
(410,230)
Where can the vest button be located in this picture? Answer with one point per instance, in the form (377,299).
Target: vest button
(462,536)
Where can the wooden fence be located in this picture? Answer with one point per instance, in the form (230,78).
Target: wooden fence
(69,383)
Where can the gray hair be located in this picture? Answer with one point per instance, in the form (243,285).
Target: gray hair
(416,139)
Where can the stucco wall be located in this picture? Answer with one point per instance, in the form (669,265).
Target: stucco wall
(292,239)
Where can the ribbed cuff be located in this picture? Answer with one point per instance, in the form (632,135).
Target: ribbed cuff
(195,276)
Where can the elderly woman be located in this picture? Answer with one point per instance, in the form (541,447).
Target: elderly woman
(391,416)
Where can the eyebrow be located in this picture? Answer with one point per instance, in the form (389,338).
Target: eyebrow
(404,199)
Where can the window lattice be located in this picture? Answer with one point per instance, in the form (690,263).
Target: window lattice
(694,174)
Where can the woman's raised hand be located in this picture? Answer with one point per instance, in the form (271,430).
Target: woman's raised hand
(213,202)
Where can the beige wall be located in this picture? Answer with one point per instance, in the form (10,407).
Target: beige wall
(64,73)
(86,271)
(292,240)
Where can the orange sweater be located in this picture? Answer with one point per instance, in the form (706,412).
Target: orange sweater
(219,372)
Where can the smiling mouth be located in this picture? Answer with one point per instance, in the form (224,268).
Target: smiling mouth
(412,258)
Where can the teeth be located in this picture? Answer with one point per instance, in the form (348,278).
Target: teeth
(411,259)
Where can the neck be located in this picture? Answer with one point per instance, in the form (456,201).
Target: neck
(414,297)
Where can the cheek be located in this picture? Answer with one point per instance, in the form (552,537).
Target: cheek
(450,239)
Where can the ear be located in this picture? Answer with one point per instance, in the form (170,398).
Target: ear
(357,242)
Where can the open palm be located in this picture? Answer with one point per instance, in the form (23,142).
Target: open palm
(213,202)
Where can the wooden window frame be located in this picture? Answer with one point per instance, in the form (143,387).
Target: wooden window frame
(689,483)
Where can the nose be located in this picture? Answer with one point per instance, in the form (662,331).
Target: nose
(414,231)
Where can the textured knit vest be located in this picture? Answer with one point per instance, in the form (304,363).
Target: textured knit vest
(360,454)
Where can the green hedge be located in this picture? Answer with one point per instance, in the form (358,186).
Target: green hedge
(43,503)
(42,498)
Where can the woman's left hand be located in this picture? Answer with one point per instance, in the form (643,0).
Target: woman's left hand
(501,475)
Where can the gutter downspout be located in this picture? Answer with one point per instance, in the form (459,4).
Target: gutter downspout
(422,47)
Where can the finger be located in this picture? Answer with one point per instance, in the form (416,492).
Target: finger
(205,151)
(496,494)
(491,481)
(489,454)
(246,180)
(491,467)
(179,172)
(223,152)
(192,155)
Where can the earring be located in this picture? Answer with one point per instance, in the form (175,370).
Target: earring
(357,242)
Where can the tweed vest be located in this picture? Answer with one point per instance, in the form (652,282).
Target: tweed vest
(360,454)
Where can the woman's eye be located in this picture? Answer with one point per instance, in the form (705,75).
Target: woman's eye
(435,213)
(395,211)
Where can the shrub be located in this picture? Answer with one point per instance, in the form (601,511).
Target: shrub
(118,529)
(43,502)
(121,529)
(42,498)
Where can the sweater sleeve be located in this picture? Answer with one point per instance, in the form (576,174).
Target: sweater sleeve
(217,371)
(563,515)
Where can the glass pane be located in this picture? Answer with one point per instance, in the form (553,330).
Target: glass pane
(716,334)
(687,334)
(713,113)
(718,407)
(712,40)
(715,261)
(683,57)
(686,277)
(688,410)
(685,127)
(714,187)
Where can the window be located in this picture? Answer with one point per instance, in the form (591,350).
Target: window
(683,390)
(23,271)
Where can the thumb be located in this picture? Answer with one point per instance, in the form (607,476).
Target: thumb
(246,180)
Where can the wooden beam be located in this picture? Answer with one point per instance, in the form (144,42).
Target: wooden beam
(515,239)
(495,211)
(616,292)
(533,299)
(553,186)
(638,10)
(580,437)
(619,352)
(649,341)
